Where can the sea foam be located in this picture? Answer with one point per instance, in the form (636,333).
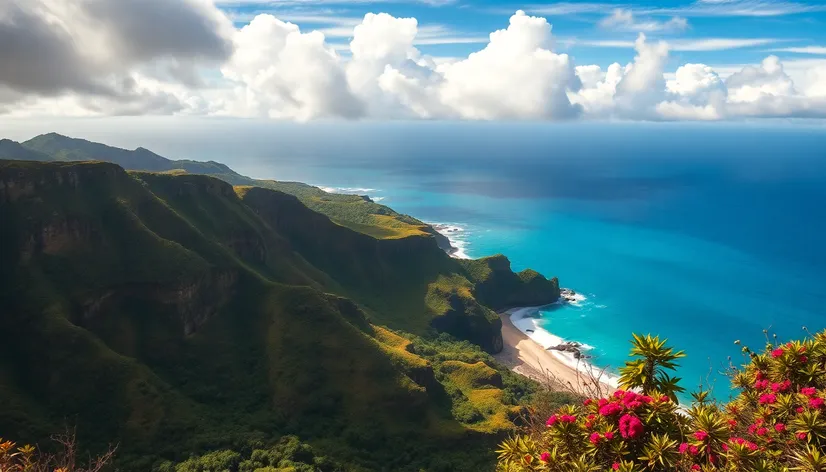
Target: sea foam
(528,319)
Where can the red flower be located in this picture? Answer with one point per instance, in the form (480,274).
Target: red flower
(802,436)
(683,448)
(664,398)
(816,402)
(695,467)
(701,435)
(610,409)
(777,352)
(762,432)
(799,409)
(552,420)
(609,435)
(594,438)
(761,384)
(780,427)
(732,424)
(768,398)
(615,466)
(545,457)
(630,426)
(808,391)
(567,419)
(804,359)
(693,450)
(587,402)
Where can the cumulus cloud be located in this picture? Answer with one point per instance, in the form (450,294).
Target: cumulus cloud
(97,49)
(104,57)
(280,72)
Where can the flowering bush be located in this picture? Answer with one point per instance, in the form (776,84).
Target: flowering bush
(777,421)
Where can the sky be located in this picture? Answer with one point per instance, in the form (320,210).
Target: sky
(303,60)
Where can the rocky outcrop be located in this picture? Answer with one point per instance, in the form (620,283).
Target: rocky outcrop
(56,236)
(193,302)
(570,346)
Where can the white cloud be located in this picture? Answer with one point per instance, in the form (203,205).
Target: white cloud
(622,19)
(282,73)
(696,45)
(821,50)
(94,57)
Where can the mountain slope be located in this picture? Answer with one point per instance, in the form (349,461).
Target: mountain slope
(178,314)
(349,210)
(13,150)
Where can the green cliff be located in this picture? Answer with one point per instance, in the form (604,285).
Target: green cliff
(178,315)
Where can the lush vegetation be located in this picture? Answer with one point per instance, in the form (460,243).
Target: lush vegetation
(180,316)
(774,423)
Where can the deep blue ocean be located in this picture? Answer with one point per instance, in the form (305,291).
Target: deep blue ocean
(702,234)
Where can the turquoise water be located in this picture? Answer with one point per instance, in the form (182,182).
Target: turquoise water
(700,234)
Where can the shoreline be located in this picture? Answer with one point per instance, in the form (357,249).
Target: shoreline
(526,354)
(452,232)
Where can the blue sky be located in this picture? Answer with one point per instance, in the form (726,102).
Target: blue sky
(716,32)
(303,60)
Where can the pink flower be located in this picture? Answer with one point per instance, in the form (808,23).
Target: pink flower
(701,435)
(615,466)
(552,420)
(799,409)
(695,467)
(777,352)
(761,384)
(804,359)
(816,402)
(567,419)
(808,391)
(762,432)
(693,450)
(725,447)
(780,427)
(768,398)
(683,448)
(587,402)
(630,426)
(802,436)
(609,435)
(619,394)
(732,424)
(545,457)
(610,409)
(602,402)
(664,398)
(594,438)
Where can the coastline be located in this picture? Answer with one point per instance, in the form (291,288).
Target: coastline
(525,353)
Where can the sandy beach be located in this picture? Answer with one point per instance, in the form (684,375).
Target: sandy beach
(527,357)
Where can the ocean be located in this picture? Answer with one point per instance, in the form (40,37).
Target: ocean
(702,234)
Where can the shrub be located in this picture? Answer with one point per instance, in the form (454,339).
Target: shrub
(776,422)
(14,458)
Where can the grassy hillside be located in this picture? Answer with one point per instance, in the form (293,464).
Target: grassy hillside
(179,315)
(352,211)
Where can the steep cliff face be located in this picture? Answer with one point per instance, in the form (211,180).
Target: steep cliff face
(498,287)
